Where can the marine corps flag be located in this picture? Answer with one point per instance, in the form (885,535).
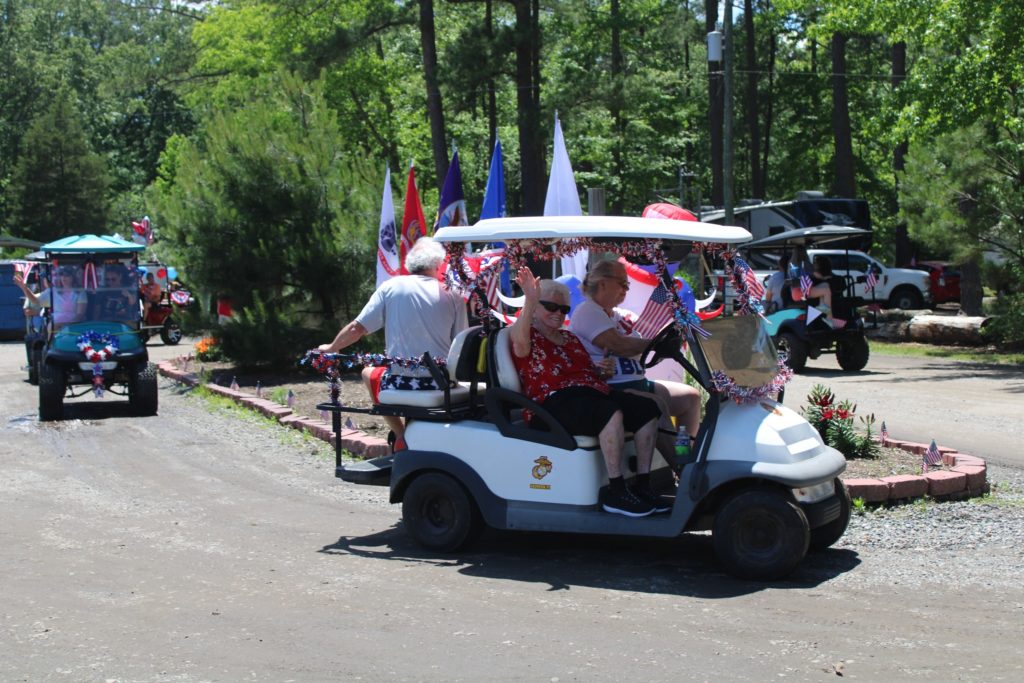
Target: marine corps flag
(413,225)
(452,209)
(388,263)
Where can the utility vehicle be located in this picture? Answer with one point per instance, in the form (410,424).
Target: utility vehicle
(759,476)
(92,340)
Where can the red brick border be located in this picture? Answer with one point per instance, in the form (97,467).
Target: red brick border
(966,478)
(352,440)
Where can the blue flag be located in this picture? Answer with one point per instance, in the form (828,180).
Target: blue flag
(494,194)
(452,210)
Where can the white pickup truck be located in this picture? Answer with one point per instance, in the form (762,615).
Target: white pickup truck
(904,288)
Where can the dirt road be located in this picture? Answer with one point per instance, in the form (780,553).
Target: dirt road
(198,546)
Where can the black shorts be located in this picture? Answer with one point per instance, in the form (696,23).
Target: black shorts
(586,411)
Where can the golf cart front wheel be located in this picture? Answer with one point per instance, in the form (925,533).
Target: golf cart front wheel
(439,514)
(51,392)
(142,389)
(795,349)
(824,536)
(760,534)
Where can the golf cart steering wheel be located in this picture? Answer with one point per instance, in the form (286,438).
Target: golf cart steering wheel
(666,344)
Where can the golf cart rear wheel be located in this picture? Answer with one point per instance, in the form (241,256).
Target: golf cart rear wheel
(760,534)
(439,514)
(795,348)
(852,354)
(142,391)
(170,333)
(825,536)
(51,392)
(33,367)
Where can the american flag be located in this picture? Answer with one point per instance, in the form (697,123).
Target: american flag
(885,434)
(755,288)
(234,384)
(349,424)
(932,456)
(291,398)
(871,281)
(805,284)
(492,276)
(656,314)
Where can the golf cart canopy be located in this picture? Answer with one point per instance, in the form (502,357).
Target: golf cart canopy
(90,244)
(595,227)
(821,234)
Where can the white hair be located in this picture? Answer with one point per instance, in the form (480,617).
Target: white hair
(425,255)
(549,287)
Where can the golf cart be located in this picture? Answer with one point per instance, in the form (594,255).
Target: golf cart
(92,338)
(759,476)
(799,329)
(161,316)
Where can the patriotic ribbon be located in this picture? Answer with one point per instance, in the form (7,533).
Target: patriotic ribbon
(89,279)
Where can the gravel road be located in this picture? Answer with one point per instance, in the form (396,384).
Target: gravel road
(209,545)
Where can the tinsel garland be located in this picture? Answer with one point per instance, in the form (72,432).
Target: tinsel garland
(330,365)
(87,343)
(736,269)
(723,384)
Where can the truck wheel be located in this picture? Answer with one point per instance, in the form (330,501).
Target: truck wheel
(795,348)
(170,333)
(760,535)
(907,298)
(825,536)
(852,353)
(142,392)
(439,514)
(51,392)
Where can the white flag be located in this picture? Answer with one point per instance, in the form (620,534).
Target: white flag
(388,264)
(563,199)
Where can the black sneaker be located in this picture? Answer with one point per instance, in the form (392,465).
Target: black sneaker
(625,503)
(659,503)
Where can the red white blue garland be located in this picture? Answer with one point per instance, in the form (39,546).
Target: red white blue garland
(97,348)
(330,365)
(726,385)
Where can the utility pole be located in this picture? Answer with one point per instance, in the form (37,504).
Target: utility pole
(727,176)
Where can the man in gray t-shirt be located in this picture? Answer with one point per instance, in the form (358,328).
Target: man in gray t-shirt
(418,314)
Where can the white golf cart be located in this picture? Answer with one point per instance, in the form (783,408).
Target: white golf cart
(759,477)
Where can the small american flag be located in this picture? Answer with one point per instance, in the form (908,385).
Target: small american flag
(492,277)
(259,390)
(291,398)
(656,314)
(932,456)
(349,424)
(755,288)
(885,434)
(234,384)
(805,284)
(871,281)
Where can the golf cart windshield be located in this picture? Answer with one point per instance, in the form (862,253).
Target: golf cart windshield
(740,347)
(106,291)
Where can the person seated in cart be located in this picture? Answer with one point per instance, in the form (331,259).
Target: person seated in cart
(557,372)
(418,314)
(607,332)
(67,302)
(116,300)
(150,292)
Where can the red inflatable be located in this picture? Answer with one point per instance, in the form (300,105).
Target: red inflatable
(669,211)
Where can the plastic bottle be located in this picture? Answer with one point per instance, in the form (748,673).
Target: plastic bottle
(682,445)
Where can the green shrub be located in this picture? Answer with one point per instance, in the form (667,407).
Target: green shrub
(263,334)
(1006,328)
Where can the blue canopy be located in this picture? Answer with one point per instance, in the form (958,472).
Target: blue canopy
(90,244)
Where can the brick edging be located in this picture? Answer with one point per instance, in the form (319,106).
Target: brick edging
(352,440)
(967,478)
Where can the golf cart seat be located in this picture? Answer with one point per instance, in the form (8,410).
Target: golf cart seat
(508,392)
(463,366)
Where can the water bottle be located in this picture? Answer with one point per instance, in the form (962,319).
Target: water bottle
(682,445)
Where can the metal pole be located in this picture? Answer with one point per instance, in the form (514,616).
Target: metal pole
(727,114)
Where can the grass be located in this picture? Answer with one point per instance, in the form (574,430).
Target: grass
(909,349)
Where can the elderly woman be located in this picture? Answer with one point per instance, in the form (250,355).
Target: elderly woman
(67,303)
(558,374)
(607,332)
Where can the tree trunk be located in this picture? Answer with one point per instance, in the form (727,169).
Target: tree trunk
(492,101)
(947,329)
(615,102)
(845,184)
(970,288)
(769,107)
(751,101)
(716,108)
(899,74)
(435,112)
(531,146)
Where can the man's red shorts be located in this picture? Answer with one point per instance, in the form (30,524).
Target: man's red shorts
(375,376)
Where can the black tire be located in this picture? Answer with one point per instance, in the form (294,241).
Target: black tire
(33,367)
(170,333)
(795,348)
(907,298)
(142,390)
(760,534)
(51,392)
(439,513)
(825,536)
(852,353)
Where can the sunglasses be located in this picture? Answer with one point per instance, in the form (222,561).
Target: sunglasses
(552,307)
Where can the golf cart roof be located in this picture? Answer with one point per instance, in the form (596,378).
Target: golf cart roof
(596,227)
(821,234)
(90,244)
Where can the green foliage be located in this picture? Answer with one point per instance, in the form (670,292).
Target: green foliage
(834,422)
(1007,327)
(59,184)
(266,334)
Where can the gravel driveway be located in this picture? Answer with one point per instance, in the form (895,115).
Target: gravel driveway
(208,545)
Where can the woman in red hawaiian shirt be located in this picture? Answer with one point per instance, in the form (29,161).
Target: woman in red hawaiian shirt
(557,373)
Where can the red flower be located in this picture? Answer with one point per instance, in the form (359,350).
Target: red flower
(827,414)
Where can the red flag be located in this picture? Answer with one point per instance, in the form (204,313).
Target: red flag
(413,225)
